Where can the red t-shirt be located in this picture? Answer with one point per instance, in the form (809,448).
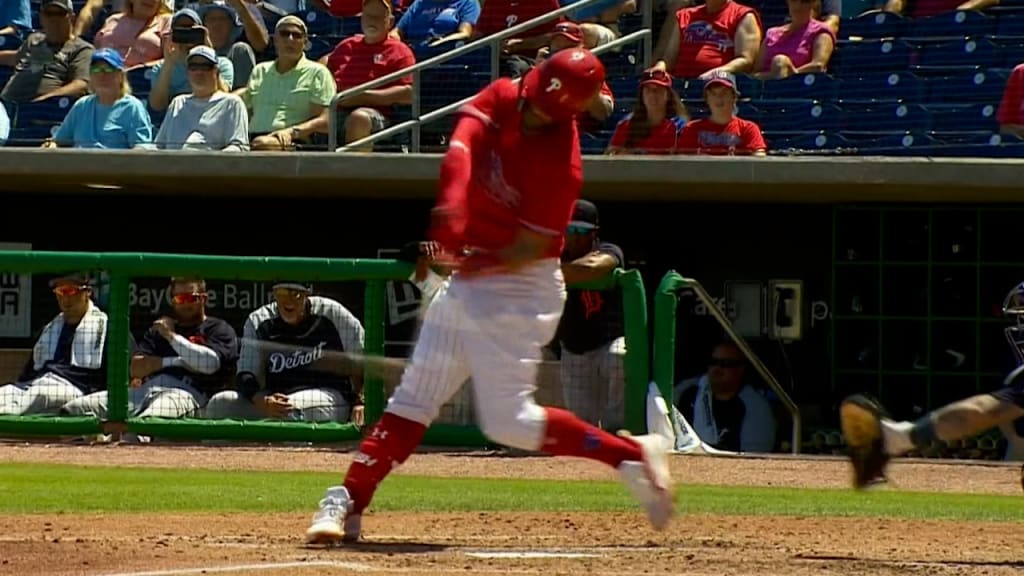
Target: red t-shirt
(498,15)
(1011,109)
(518,179)
(706,41)
(354,62)
(738,137)
(661,140)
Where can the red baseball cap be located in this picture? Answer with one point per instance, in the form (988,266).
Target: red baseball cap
(656,77)
(564,84)
(571,31)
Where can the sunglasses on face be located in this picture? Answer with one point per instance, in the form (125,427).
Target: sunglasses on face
(289,294)
(725,362)
(200,66)
(659,75)
(54,13)
(188,298)
(102,69)
(68,290)
(291,35)
(577,230)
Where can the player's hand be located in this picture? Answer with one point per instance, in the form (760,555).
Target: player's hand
(274,405)
(358,415)
(447,227)
(165,326)
(142,366)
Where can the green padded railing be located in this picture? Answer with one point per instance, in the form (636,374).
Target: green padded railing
(121,267)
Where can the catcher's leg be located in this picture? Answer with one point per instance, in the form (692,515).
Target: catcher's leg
(435,373)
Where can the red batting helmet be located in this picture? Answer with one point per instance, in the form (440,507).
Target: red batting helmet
(564,84)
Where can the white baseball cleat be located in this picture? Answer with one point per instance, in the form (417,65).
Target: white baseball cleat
(650,481)
(332,523)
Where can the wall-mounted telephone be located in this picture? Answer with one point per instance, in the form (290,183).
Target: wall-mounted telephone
(785,309)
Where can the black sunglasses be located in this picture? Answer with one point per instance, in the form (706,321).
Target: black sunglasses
(725,362)
(204,66)
(655,75)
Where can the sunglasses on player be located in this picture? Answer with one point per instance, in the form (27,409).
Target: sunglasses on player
(578,230)
(289,294)
(68,289)
(188,298)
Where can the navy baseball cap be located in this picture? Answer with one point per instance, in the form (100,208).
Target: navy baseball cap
(584,215)
(722,78)
(73,278)
(110,56)
(298,286)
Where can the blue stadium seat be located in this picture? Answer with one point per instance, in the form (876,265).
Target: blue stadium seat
(963,117)
(749,86)
(351,26)
(873,25)
(623,86)
(984,145)
(320,46)
(886,117)
(909,144)
(318,23)
(1012,51)
(9,42)
(629,23)
(871,56)
(881,87)
(798,117)
(1010,26)
(969,86)
(446,84)
(623,106)
(140,81)
(36,121)
(964,53)
(958,24)
(595,143)
(811,141)
(821,87)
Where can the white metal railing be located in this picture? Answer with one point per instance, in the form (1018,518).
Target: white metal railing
(494,42)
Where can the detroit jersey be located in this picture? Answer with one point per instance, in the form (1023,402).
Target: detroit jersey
(328,326)
(519,179)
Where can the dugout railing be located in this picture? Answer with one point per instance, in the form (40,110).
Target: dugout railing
(666,303)
(119,269)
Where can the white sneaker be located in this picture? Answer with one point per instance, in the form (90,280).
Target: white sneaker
(332,523)
(650,481)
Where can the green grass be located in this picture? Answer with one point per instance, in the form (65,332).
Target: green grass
(34,488)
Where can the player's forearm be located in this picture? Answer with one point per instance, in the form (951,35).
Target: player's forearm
(195,357)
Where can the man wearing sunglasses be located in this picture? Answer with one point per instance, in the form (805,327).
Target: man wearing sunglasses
(182,359)
(726,412)
(68,360)
(51,63)
(282,372)
(590,335)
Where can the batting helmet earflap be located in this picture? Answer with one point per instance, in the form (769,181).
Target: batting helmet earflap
(564,84)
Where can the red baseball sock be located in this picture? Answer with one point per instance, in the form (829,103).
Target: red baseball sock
(387,445)
(567,435)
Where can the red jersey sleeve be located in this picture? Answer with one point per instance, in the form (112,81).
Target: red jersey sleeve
(621,131)
(753,140)
(547,202)
(1013,98)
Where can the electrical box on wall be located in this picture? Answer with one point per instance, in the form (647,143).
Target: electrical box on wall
(785,309)
(746,308)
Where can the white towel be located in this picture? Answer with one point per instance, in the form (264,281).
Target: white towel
(87,346)
(703,413)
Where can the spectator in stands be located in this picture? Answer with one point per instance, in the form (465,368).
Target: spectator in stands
(68,360)
(169,77)
(722,132)
(287,96)
(15,18)
(50,63)
(570,35)
(364,57)
(926,8)
(591,331)
(431,27)
(136,33)
(5,125)
(720,35)
(600,21)
(232,19)
(110,117)
(725,411)
(1011,108)
(181,360)
(656,121)
(210,117)
(517,52)
(224,27)
(801,46)
(285,349)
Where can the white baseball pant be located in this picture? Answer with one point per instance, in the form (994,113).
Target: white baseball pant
(44,395)
(314,404)
(490,328)
(162,396)
(594,384)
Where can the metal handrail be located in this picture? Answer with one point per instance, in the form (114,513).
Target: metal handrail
(489,40)
(418,121)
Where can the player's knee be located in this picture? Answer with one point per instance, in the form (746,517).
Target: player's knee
(520,426)
(358,124)
(222,404)
(79,407)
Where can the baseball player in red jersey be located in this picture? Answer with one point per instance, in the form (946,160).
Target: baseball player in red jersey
(508,185)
